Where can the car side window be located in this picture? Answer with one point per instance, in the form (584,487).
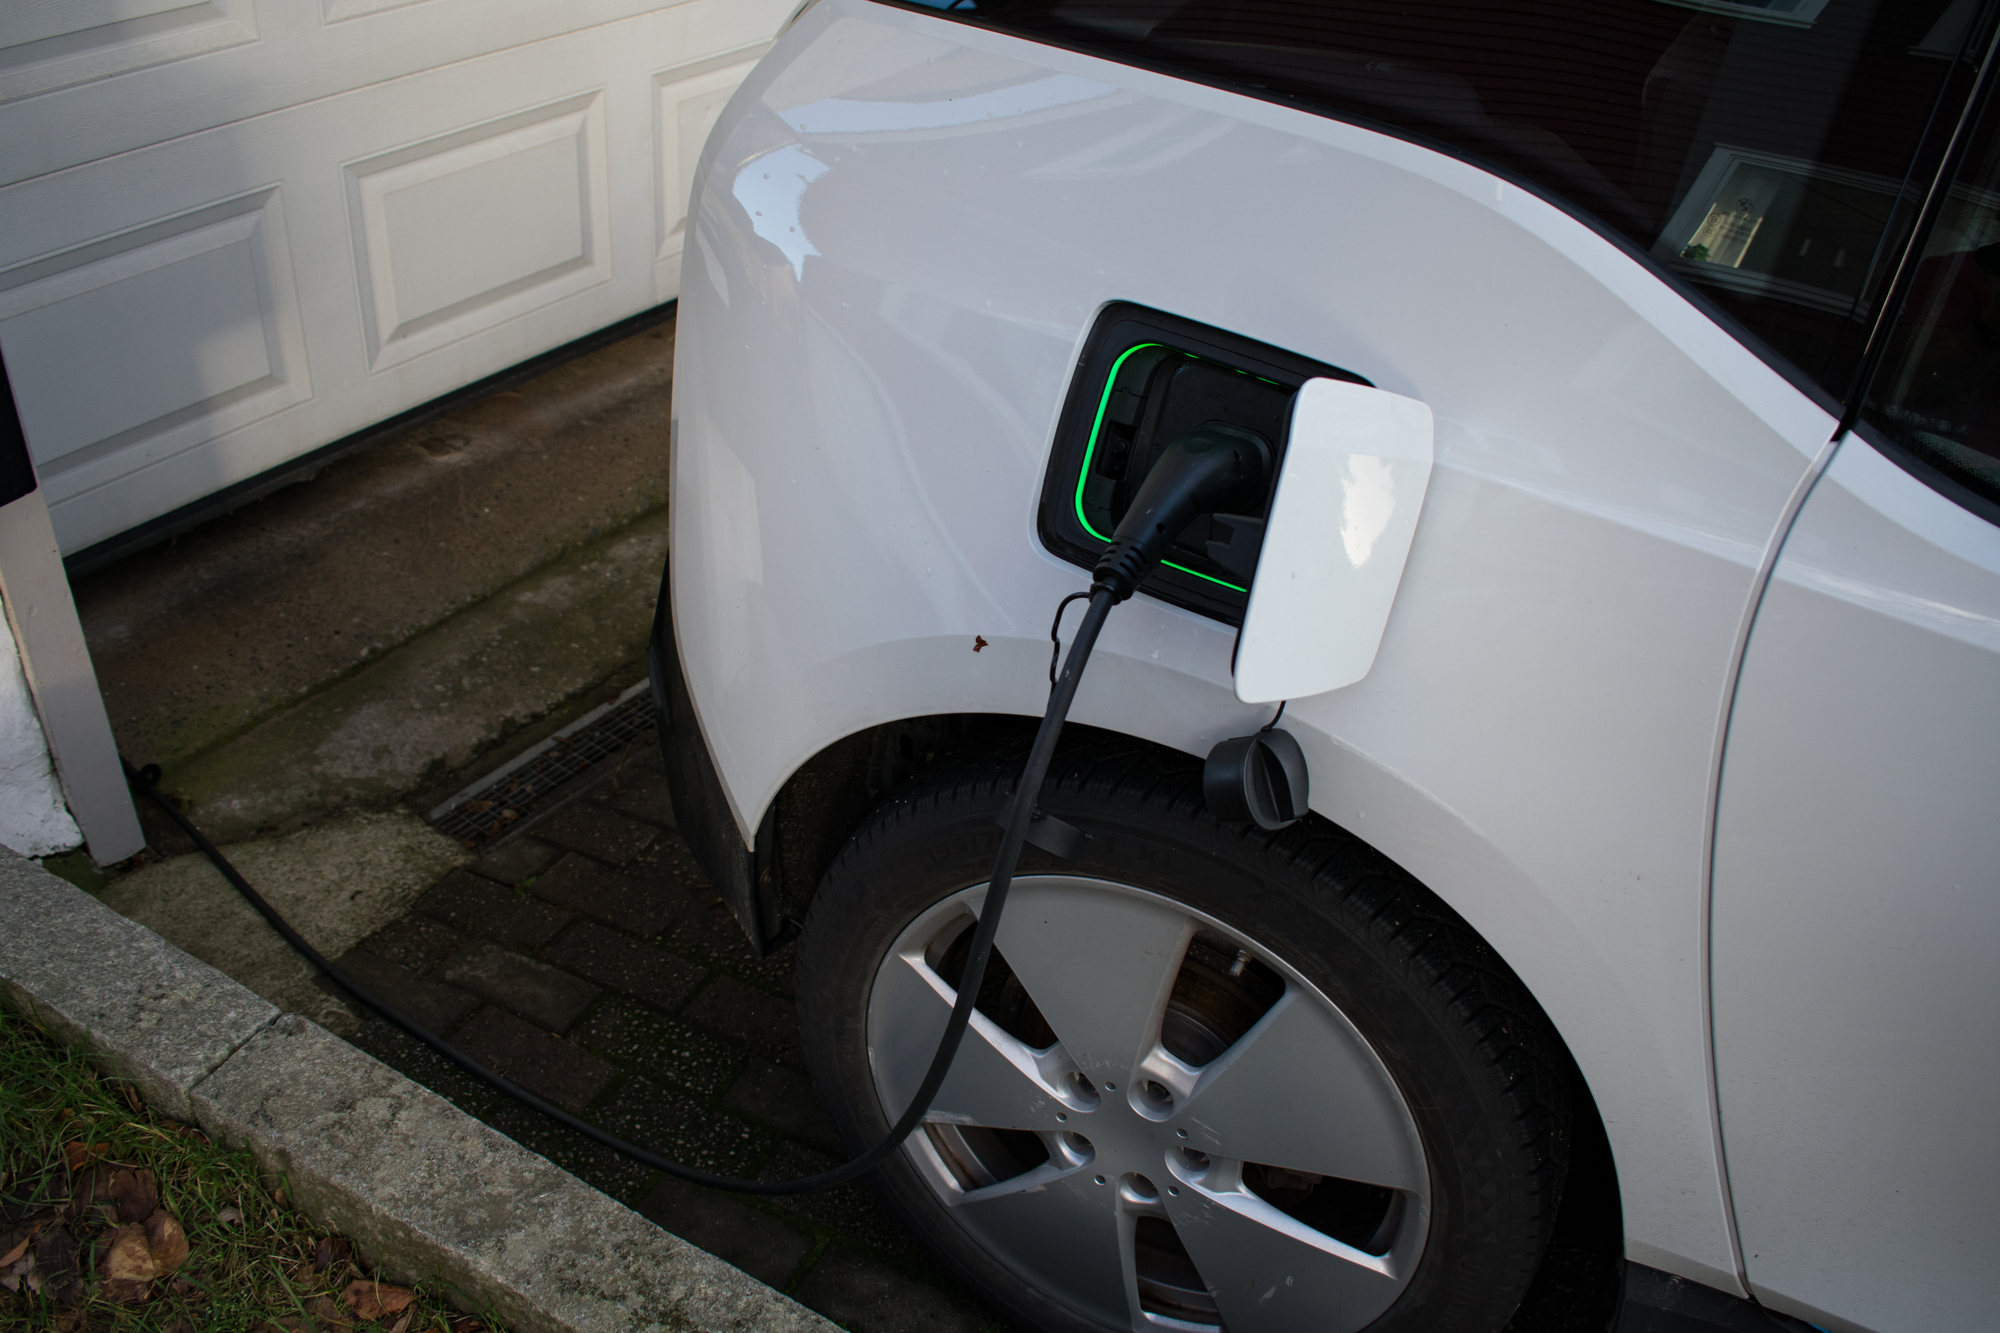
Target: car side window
(1936,399)
(1760,149)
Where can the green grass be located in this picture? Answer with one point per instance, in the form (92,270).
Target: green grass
(238,1276)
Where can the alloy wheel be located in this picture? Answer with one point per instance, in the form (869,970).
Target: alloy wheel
(1153,1119)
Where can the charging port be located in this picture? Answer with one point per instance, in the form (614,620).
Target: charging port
(1145,380)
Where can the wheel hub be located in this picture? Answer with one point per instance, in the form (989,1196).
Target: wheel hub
(1153,1119)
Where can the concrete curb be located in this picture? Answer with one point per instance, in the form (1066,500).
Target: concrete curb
(423,1189)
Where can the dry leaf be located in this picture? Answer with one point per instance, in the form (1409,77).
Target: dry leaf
(402,1325)
(229,1216)
(127,1264)
(55,1257)
(127,1256)
(371,1299)
(135,1194)
(333,1250)
(467,1324)
(17,1242)
(93,1188)
(329,1313)
(167,1241)
(78,1153)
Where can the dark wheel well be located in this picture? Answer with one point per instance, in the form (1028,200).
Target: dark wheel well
(829,796)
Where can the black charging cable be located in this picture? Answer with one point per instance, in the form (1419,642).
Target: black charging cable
(1196,474)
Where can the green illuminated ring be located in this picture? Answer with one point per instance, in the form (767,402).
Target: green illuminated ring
(1090,451)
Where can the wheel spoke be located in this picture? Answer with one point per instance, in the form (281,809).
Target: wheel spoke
(1068,1237)
(1301,1090)
(1269,1272)
(1098,964)
(994,1079)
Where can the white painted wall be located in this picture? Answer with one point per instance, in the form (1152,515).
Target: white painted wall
(33,820)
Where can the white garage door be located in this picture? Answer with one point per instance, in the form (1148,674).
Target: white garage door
(232,231)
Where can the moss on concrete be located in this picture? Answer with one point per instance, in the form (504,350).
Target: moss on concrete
(198,640)
(437,701)
(337,882)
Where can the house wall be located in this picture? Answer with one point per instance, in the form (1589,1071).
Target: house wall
(33,819)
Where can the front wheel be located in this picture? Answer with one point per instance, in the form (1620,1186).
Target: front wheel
(1216,1078)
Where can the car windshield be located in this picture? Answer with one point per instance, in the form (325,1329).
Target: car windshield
(1758,149)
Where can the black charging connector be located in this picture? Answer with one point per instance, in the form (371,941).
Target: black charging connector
(1216,466)
(1198,474)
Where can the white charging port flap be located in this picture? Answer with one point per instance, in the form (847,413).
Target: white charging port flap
(1357,463)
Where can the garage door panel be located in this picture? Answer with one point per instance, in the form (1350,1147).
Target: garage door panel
(262,56)
(688,100)
(150,341)
(462,233)
(50,44)
(401,240)
(335,11)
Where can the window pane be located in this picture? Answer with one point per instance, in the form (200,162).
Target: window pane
(1757,147)
(1938,392)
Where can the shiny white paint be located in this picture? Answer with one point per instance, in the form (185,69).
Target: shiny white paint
(1357,461)
(1857,1023)
(865,406)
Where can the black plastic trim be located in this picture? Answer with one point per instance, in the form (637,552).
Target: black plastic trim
(1657,1302)
(1889,308)
(740,874)
(217,503)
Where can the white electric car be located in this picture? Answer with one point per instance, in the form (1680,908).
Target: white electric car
(1639,958)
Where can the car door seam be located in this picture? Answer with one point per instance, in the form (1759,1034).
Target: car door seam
(1766,566)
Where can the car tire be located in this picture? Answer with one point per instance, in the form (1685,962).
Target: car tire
(1324,1008)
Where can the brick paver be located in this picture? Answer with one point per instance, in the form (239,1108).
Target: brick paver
(588,960)
(478,906)
(630,903)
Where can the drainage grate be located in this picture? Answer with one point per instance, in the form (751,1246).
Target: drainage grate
(497,803)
